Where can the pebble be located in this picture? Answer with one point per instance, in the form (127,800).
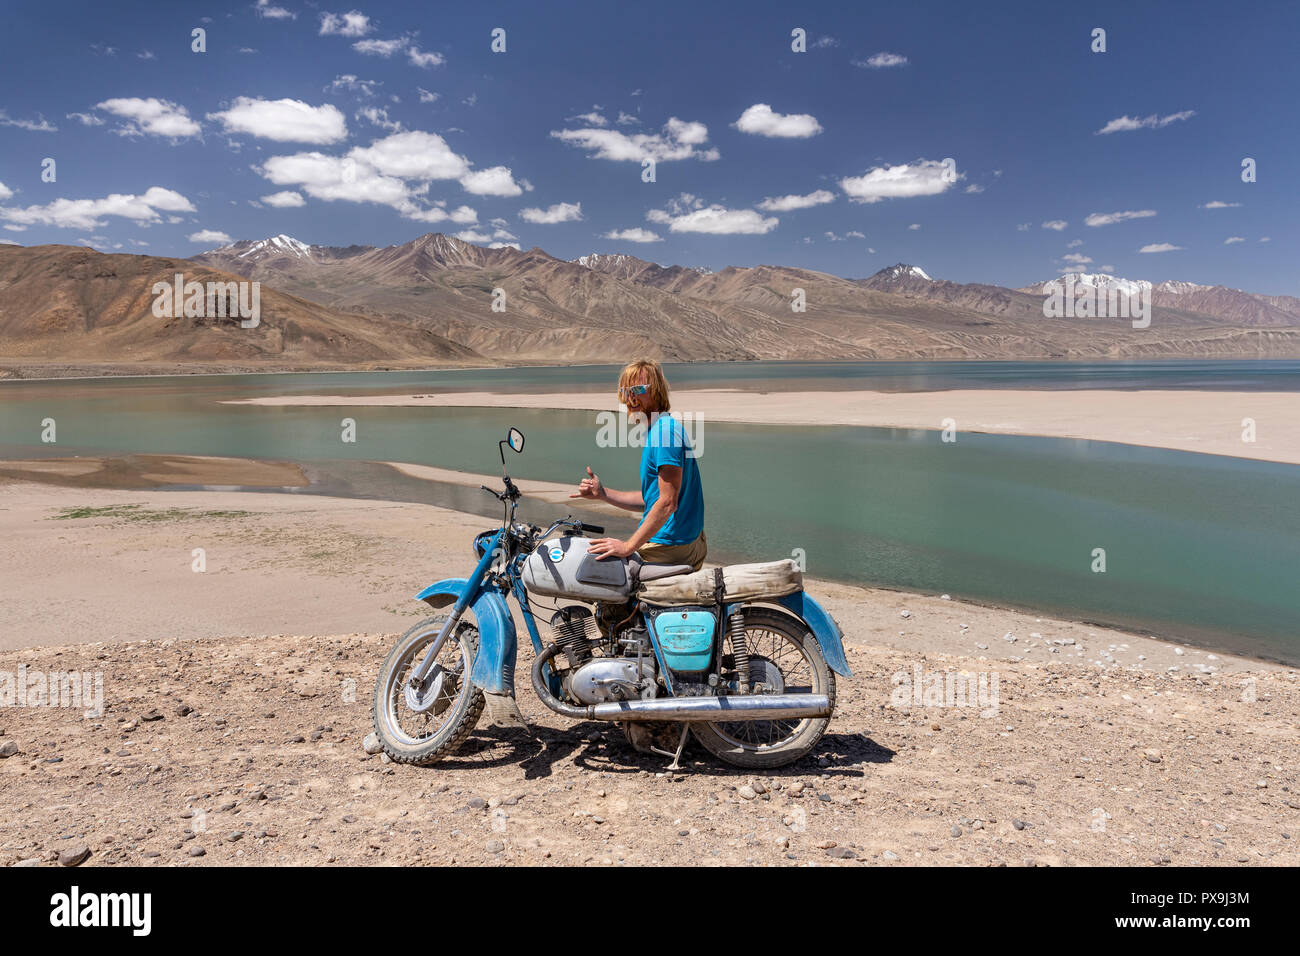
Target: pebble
(197,851)
(1018,824)
(747,792)
(30,861)
(371,744)
(184,710)
(236,836)
(8,748)
(842,853)
(152,715)
(1009,637)
(890,855)
(904,613)
(827,845)
(758,787)
(1154,755)
(956,831)
(74,855)
(477,803)
(495,846)
(796,788)
(942,597)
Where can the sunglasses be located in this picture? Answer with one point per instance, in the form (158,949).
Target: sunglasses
(627,391)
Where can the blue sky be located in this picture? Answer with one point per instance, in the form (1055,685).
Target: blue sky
(378,122)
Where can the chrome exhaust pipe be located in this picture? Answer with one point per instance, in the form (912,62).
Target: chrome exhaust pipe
(705,709)
(747,707)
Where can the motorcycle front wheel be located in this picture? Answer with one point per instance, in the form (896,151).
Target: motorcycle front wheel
(425,730)
(786,659)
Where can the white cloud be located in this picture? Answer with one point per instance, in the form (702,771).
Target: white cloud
(377,116)
(761,120)
(146,55)
(9,242)
(923,178)
(1231,239)
(288,199)
(266,10)
(471,235)
(348,82)
(1265,239)
(426,96)
(678,140)
(915,225)
(1077,259)
(1055,224)
(1216,204)
(152,116)
(881,61)
(209,235)
(854,234)
(384,48)
(90,213)
(5,192)
(393,171)
(1022,227)
(284,121)
(1125,123)
(627,119)
(823,42)
(87,119)
(633,235)
(353,24)
(560,212)
(591,119)
(787,203)
(689,214)
(1110,218)
(419,59)
(495,181)
(974,188)
(1160,247)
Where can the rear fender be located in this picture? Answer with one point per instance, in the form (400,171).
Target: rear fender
(821,624)
(494,664)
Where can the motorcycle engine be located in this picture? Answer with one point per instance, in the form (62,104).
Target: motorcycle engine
(612,677)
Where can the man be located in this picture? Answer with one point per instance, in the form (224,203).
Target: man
(671,499)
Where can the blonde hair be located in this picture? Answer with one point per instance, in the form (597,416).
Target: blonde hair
(657,384)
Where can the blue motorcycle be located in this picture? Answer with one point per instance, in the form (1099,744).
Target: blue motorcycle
(739,656)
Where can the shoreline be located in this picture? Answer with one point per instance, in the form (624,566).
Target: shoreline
(1200,422)
(22,487)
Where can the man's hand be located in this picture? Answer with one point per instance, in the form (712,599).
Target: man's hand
(604,548)
(590,487)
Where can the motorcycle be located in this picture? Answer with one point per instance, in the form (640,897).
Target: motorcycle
(740,657)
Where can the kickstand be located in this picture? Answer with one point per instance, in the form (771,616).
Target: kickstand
(681,746)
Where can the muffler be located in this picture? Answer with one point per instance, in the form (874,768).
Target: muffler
(707,709)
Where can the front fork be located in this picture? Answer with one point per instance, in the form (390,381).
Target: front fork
(419,679)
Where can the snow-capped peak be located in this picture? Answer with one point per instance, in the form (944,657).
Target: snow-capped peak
(596,260)
(903,270)
(281,244)
(1104,281)
(1176,287)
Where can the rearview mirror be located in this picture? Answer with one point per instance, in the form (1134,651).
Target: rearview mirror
(516,439)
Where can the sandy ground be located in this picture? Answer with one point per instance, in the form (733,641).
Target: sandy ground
(235,699)
(1207,422)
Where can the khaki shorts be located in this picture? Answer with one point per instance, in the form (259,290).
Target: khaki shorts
(692,554)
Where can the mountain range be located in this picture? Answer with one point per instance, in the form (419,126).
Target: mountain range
(441,300)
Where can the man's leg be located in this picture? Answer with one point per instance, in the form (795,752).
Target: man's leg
(692,554)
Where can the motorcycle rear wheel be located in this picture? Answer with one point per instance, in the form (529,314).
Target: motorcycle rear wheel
(783,649)
(424,738)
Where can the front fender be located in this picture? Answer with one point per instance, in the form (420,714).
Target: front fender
(494,662)
(823,627)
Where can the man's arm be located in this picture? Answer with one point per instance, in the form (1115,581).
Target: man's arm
(670,485)
(591,487)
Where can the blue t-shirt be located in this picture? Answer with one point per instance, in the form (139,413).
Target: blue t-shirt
(668,444)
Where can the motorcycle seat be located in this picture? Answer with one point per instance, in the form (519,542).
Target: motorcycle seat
(653,572)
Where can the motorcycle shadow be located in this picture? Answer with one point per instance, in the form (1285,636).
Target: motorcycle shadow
(595,745)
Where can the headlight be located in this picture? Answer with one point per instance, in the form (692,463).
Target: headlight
(481,542)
